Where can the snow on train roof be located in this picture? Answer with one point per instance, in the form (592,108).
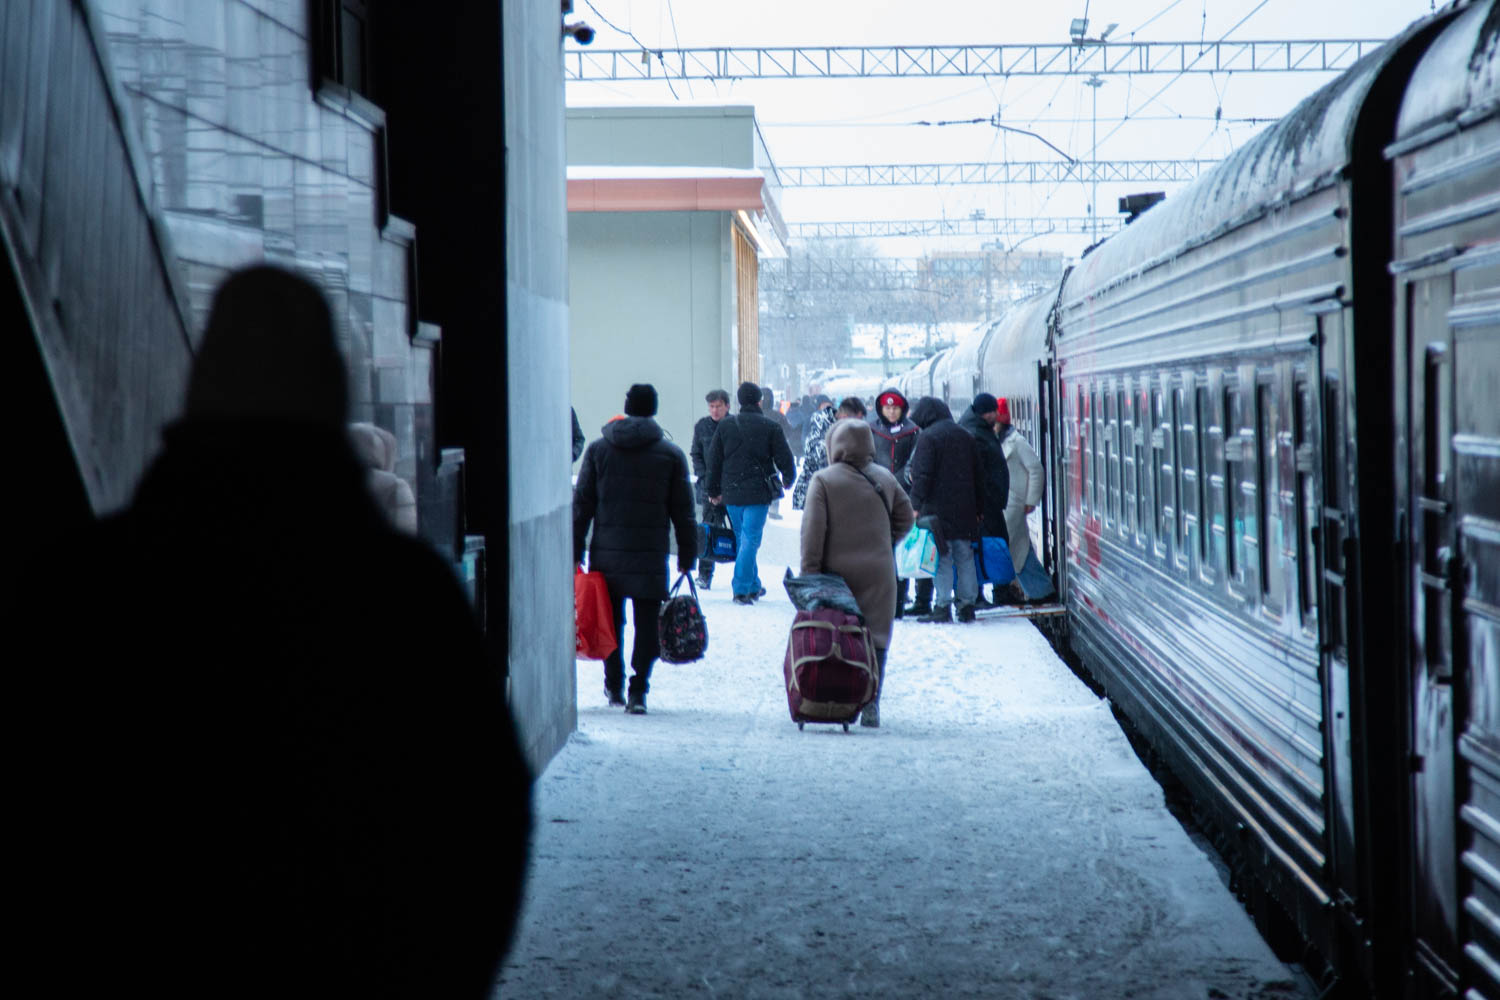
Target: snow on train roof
(1458,77)
(1297,154)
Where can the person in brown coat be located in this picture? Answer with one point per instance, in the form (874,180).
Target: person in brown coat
(856,512)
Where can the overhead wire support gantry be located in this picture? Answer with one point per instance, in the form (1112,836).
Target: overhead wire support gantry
(1013,226)
(1012,172)
(1022,59)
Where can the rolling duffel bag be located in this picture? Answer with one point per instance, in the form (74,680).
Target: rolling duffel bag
(829,667)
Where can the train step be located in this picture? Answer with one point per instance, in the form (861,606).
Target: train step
(1022,611)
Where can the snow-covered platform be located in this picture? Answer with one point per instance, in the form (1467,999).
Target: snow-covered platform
(996,837)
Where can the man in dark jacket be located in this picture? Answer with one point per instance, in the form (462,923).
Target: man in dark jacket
(703,434)
(742,463)
(979,420)
(633,486)
(895,440)
(309,767)
(947,486)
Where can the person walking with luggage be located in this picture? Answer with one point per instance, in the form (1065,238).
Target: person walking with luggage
(895,438)
(1026,487)
(947,486)
(703,434)
(979,420)
(856,511)
(632,488)
(814,447)
(743,459)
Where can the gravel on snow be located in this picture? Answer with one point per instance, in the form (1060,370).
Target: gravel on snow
(996,837)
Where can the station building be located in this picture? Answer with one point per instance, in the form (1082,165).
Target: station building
(669,209)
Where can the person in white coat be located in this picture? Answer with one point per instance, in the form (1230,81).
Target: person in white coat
(1026,486)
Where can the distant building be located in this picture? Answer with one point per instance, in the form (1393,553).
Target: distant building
(668,211)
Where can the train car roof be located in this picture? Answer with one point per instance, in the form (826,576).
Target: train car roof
(1458,78)
(1300,153)
(1017,342)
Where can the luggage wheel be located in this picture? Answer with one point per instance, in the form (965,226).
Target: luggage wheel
(846,727)
(799,727)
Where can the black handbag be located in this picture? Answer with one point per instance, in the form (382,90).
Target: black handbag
(680,624)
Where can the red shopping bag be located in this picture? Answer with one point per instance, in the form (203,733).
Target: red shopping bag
(593,619)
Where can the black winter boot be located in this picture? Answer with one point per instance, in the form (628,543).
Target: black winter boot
(941,614)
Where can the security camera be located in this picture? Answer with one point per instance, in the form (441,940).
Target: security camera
(581,32)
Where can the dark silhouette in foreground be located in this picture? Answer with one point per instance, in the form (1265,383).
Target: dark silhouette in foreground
(268,757)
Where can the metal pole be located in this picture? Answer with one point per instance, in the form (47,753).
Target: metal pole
(1095,82)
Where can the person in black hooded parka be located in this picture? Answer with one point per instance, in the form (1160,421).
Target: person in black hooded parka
(632,487)
(947,484)
(895,440)
(979,420)
(267,754)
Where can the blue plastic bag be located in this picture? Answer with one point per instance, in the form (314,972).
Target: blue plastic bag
(992,562)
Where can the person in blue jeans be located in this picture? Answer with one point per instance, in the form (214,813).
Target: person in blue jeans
(747,453)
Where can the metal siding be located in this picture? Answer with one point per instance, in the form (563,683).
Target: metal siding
(1235,687)
(1447,199)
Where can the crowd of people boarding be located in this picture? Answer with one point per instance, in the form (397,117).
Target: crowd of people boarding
(865,480)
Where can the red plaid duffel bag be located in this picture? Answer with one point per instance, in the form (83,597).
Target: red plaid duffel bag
(829,667)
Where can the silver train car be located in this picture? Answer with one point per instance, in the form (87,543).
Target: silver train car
(1271,412)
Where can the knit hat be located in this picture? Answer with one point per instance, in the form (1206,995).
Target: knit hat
(640,401)
(1004,409)
(985,403)
(748,394)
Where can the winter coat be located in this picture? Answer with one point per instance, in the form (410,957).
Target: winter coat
(946,478)
(324,788)
(796,421)
(747,449)
(578,439)
(996,474)
(703,435)
(633,486)
(376,448)
(814,451)
(849,530)
(894,443)
(1026,488)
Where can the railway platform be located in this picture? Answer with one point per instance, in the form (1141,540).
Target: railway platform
(996,837)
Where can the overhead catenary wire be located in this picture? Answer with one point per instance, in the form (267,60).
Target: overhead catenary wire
(650,50)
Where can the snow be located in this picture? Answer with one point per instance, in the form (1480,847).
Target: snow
(996,837)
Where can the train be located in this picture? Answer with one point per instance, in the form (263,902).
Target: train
(1270,412)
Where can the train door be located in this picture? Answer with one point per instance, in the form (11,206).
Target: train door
(1337,548)
(1044,420)
(1431,562)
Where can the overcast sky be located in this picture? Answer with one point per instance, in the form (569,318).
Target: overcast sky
(861,121)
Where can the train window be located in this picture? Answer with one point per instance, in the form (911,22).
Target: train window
(1118,497)
(1332,535)
(1303,408)
(1272,585)
(1101,460)
(1111,460)
(1180,485)
(1143,471)
(1202,416)
(1233,527)
(1085,453)
(1162,472)
(1126,405)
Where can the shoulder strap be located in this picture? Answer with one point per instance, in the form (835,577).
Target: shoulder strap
(878,490)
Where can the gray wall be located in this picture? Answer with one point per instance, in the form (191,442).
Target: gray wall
(651,302)
(663,136)
(247,166)
(542,675)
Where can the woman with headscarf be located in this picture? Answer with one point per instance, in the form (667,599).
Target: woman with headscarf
(855,513)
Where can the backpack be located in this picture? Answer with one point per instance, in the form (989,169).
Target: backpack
(680,625)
